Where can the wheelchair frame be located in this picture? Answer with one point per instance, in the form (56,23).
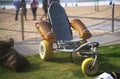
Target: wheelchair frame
(81,47)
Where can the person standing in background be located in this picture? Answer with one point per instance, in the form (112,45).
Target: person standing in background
(24,9)
(16,3)
(45,9)
(111,2)
(34,5)
(45,5)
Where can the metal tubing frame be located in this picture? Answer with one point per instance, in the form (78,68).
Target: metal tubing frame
(77,49)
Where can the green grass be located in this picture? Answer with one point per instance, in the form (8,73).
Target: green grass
(60,67)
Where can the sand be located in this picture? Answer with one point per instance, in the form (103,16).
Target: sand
(9,28)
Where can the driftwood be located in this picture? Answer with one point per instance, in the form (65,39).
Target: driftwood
(10,58)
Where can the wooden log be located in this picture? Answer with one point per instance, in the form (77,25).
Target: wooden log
(5,46)
(10,58)
(44,29)
(15,61)
(81,28)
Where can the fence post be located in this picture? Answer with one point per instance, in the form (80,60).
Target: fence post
(96,5)
(22,24)
(113,6)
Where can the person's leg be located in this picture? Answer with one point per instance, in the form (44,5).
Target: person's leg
(42,16)
(25,14)
(33,13)
(16,16)
(35,10)
(45,14)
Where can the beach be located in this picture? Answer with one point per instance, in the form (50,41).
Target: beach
(9,28)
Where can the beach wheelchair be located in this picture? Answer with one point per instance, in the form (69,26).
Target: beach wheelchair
(57,36)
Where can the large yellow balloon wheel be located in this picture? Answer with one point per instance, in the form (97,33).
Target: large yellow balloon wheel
(87,67)
(45,50)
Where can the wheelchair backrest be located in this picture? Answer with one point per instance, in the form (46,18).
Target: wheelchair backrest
(59,22)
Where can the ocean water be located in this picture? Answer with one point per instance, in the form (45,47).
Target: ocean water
(8,3)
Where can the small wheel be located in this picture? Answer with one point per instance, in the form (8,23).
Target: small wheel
(45,50)
(87,67)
